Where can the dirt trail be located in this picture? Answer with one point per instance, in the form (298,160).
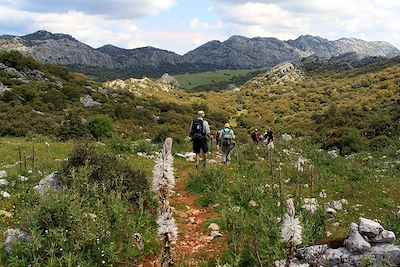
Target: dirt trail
(194,242)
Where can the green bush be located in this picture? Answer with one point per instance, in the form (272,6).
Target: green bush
(106,170)
(72,127)
(380,142)
(100,127)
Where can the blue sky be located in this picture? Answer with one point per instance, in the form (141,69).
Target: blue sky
(182,25)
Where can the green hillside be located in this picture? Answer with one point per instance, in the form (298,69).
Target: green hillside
(214,80)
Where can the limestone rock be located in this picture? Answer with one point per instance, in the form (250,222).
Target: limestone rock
(398,153)
(3,88)
(5,213)
(369,228)
(355,242)
(286,137)
(214,227)
(48,184)
(3,174)
(332,153)
(384,237)
(14,235)
(4,194)
(337,205)
(88,101)
(311,254)
(23,178)
(169,80)
(215,234)
(3,182)
(331,211)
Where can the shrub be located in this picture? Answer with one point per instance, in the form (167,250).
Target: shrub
(106,170)
(100,127)
(72,127)
(379,142)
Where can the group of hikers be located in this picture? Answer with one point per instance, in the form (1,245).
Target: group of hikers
(200,131)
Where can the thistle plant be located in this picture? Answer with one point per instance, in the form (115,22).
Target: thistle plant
(163,184)
(291,230)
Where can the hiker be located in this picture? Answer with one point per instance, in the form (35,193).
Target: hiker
(199,130)
(227,142)
(255,136)
(218,138)
(269,138)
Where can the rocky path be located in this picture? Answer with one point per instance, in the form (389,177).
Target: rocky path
(199,237)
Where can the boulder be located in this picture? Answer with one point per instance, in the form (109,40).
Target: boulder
(48,184)
(214,227)
(332,153)
(3,182)
(311,254)
(286,137)
(169,80)
(369,228)
(13,236)
(3,174)
(355,243)
(384,237)
(4,194)
(88,101)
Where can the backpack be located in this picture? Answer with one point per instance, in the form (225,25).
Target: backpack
(226,137)
(197,131)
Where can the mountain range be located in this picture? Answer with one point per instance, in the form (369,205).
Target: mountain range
(237,52)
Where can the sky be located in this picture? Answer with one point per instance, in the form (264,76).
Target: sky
(182,25)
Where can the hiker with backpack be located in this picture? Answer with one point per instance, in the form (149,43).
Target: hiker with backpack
(255,136)
(199,130)
(268,138)
(227,136)
(218,136)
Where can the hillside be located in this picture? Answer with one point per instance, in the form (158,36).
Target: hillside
(238,52)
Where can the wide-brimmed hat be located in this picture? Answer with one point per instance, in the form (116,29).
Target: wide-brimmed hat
(227,125)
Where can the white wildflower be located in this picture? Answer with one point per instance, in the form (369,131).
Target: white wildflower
(291,230)
(310,204)
(167,225)
(163,173)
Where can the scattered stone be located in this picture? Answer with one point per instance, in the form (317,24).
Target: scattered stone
(3,174)
(189,156)
(5,213)
(355,242)
(88,101)
(192,220)
(253,203)
(3,182)
(344,201)
(195,212)
(4,194)
(311,254)
(368,158)
(398,215)
(322,194)
(214,227)
(369,228)
(332,153)
(50,183)
(215,234)
(23,178)
(337,205)
(90,215)
(14,235)
(331,211)
(398,153)
(286,137)
(292,263)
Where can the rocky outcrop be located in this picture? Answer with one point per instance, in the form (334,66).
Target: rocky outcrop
(284,73)
(169,81)
(144,86)
(367,243)
(88,101)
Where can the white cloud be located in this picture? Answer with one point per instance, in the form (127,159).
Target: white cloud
(116,9)
(366,19)
(195,23)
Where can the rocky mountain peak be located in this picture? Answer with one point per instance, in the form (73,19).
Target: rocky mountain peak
(45,35)
(169,80)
